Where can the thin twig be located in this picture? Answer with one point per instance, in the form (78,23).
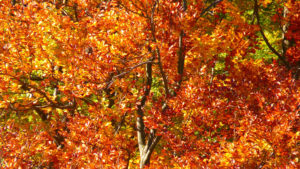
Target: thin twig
(126,72)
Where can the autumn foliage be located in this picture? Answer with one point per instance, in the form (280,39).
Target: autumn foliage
(149,83)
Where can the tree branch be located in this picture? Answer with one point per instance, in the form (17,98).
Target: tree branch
(157,50)
(13,2)
(120,124)
(282,58)
(58,138)
(162,73)
(75,8)
(208,8)
(126,72)
(40,91)
(152,142)
(181,50)
(140,121)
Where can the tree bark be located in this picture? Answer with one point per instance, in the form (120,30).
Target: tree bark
(145,149)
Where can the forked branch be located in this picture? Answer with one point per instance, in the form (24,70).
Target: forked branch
(280,56)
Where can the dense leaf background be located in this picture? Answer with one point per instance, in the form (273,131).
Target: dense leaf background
(149,83)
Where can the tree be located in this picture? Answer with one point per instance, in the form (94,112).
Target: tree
(149,83)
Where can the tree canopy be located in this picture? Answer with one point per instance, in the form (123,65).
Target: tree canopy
(149,83)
